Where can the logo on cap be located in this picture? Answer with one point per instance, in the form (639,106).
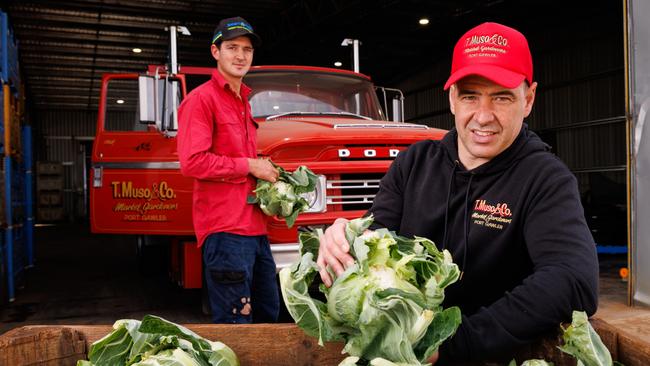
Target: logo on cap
(495,39)
(485,46)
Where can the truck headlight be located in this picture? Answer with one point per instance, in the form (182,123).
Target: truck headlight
(318,198)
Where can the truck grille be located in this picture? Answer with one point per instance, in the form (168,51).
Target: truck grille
(352,191)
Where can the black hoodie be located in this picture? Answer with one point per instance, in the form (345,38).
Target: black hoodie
(515,227)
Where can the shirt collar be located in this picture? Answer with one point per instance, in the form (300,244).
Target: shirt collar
(223,84)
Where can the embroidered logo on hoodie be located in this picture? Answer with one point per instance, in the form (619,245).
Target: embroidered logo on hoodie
(495,216)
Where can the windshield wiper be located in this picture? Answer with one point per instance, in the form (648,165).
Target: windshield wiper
(353,115)
(298,113)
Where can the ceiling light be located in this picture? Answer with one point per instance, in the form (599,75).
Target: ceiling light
(137,50)
(120,101)
(338,64)
(424,21)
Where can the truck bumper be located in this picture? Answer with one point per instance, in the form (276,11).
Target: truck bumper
(285,254)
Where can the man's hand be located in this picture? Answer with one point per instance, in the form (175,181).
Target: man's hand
(434,358)
(333,251)
(263,169)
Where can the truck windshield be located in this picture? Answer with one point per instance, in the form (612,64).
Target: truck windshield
(304,92)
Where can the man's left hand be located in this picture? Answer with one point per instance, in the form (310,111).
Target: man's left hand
(263,169)
(434,358)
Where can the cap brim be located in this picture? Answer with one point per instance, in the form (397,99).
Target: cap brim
(499,75)
(255,39)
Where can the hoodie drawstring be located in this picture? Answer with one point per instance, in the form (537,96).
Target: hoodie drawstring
(466,226)
(451,184)
(465,216)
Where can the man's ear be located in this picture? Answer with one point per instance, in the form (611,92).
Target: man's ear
(530,99)
(215,51)
(452,90)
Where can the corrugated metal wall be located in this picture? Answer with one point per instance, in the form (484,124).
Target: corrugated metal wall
(66,136)
(62,136)
(579,111)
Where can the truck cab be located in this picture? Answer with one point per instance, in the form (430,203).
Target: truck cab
(330,120)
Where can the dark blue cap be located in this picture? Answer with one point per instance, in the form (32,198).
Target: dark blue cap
(235,27)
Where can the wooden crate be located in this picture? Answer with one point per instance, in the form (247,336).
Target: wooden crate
(49,183)
(258,344)
(50,198)
(49,168)
(268,344)
(49,214)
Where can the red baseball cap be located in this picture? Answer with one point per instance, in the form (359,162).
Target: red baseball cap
(495,52)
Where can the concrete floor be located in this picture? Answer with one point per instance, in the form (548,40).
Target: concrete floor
(83,278)
(613,303)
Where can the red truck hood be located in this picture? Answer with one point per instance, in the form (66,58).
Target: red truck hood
(280,133)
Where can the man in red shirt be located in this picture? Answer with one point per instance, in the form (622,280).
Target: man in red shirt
(217,146)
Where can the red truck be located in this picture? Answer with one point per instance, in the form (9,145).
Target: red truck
(328,119)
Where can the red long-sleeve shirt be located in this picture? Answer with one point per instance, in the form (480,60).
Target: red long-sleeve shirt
(216,136)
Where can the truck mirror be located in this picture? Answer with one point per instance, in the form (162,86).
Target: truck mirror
(147,99)
(398,104)
(171,104)
(159,99)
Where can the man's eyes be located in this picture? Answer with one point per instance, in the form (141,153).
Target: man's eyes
(503,99)
(497,99)
(235,48)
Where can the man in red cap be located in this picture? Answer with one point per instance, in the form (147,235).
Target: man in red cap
(217,146)
(493,194)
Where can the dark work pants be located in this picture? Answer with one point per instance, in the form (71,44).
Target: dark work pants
(240,276)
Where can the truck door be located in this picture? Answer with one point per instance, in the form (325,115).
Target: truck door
(135,182)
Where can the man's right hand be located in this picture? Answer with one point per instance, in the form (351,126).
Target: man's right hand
(434,358)
(333,251)
(263,169)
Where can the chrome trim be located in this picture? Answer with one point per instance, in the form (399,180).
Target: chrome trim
(140,165)
(349,186)
(366,198)
(285,247)
(382,125)
(365,183)
(320,201)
